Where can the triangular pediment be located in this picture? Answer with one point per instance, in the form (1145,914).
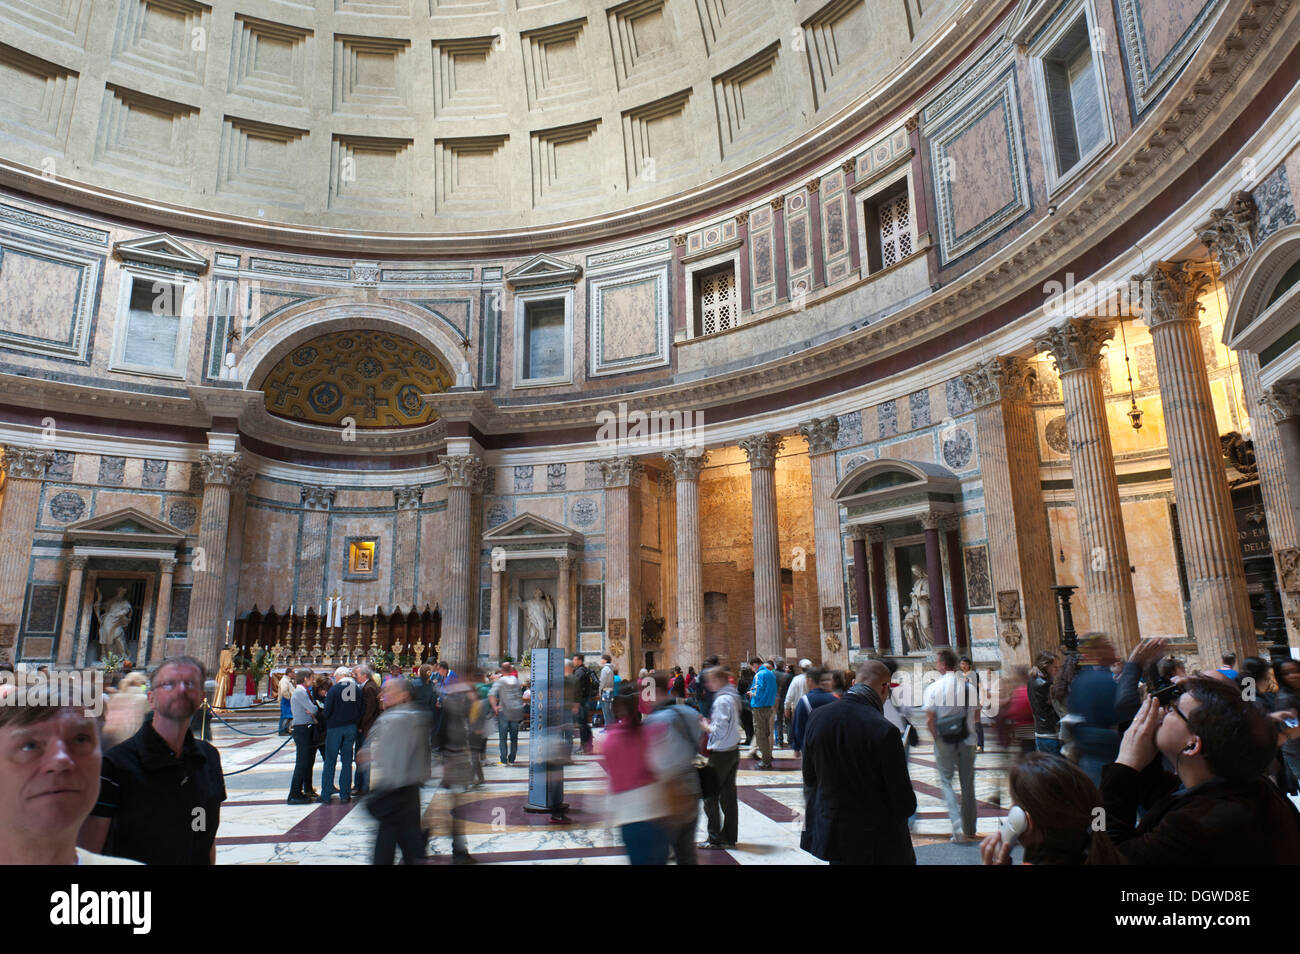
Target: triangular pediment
(529,528)
(161,249)
(544,269)
(127,524)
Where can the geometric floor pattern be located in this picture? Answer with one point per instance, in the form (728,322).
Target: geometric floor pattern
(257,827)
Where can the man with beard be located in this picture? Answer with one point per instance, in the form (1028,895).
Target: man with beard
(160,791)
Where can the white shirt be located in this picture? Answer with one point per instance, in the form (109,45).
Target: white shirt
(949,693)
(795,691)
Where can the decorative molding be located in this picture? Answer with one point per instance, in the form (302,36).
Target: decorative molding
(220,468)
(161,250)
(1005,378)
(1076,345)
(1173,289)
(621,471)
(762,450)
(408,497)
(821,433)
(543,270)
(462,469)
(1230,232)
(20,462)
(317,496)
(1282,400)
(686,465)
(933,521)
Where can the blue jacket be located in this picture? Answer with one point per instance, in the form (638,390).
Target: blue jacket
(764,688)
(340,709)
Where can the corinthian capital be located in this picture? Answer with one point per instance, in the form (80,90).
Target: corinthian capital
(408,497)
(1076,345)
(220,468)
(1170,291)
(1230,232)
(686,466)
(1282,400)
(761,449)
(21,462)
(462,469)
(821,433)
(621,471)
(317,497)
(1006,378)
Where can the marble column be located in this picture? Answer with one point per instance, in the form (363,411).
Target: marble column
(827,543)
(239,485)
(24,469)
(1281,402)
(206,629)
(564,634)
(668,570)
(879,592)
(71,609)
(690,559)
(1075,346)
(932,523)
(462,472)
(484,484)
(1015,515)
(163,611)
(1216,577)
(761,451)
(496,626)
(623,558)
(406,554)
(957,579)
(861,591)
(316,502)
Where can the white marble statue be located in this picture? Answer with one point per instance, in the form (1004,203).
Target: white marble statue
(114,616)
(918,636)
(539,620)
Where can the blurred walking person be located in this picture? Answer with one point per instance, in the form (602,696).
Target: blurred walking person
(637,801)
(398,753)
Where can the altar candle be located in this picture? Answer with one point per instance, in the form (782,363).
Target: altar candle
(227,630)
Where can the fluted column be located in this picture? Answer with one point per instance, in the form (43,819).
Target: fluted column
(622,557)
(496,627)
(24,469)
(821,434)
(762,450)
(933,523)
(879,592)
(316,502)
(951,526)
(564,606)
(1108,582)
(690,557)
(162,611)
(668,569)
(1281,405)
(1015,516)
(859,536)
(239,484)
(206,630)
(462,472)
(1211,550)
(406,555)
(71,609)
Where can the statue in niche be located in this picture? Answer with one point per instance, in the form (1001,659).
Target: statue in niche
(539,620)
(113,616)
(918,636)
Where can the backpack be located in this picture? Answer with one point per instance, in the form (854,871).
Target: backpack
(590,685)
(952,728)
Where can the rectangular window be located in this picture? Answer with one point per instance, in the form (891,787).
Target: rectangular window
(1071,107)
(543,339)
(717,306)
(153,323)
(888,218)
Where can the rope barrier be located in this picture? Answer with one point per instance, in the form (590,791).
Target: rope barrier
(259,761)
(256,735)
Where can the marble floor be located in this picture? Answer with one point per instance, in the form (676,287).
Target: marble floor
(257,827)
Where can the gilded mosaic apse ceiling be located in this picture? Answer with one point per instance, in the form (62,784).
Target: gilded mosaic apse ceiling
(372,377)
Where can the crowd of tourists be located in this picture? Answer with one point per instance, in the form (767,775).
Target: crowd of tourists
(1135,761)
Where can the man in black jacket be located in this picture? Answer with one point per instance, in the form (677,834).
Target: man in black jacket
(582,696)
(1227,812)
(858,794)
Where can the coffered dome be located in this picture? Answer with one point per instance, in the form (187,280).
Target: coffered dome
(436,115)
